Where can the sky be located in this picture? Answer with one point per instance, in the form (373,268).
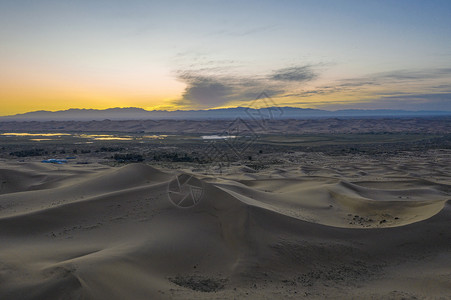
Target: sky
(326,54)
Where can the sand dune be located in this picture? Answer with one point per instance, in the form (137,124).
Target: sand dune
(98,232)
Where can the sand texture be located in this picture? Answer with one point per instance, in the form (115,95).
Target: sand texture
(340,229)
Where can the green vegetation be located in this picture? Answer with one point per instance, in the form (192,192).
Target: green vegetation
(30,152)
(128,157)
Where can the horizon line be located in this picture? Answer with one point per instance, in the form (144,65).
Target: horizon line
(220,108)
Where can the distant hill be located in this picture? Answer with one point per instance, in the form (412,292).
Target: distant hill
(133,113)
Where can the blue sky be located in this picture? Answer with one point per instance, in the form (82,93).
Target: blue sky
(204,54)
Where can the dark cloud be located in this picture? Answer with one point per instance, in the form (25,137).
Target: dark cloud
(205,91)
(211,89)
(299,74)
(213,86)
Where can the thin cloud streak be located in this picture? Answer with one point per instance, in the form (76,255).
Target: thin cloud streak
(299,74)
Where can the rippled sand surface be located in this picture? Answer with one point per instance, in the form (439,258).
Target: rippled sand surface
(314,226)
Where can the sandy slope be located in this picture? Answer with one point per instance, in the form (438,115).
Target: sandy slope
(95,232)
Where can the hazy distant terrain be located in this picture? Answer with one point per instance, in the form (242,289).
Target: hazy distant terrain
(268,112)
(289,126)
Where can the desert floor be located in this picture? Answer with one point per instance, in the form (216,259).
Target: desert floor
(311,225)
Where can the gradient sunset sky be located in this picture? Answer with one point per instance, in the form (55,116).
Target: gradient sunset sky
(335,54)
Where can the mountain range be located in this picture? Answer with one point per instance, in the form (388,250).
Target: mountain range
(133,113)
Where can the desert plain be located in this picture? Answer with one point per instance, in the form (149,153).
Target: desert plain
(342,212)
